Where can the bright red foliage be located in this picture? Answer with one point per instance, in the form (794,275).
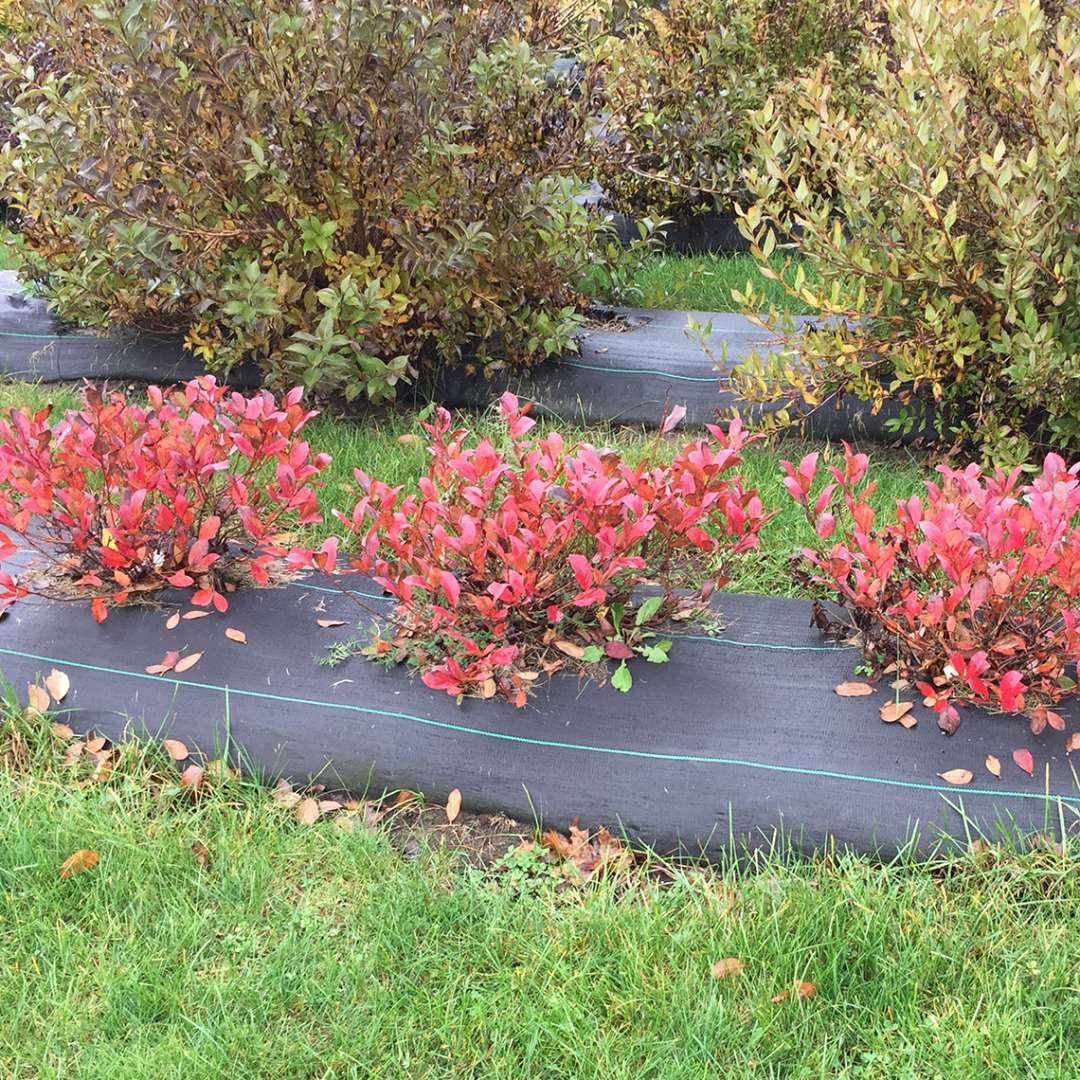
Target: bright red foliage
(975,587)
(192,491)
(528,557)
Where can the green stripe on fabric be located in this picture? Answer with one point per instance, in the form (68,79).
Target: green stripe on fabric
(550,744)
(639,371)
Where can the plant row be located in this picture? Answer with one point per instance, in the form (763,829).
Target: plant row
(353,194)
(520,557)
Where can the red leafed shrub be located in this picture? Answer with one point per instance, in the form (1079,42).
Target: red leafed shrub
(973,589)
(192,490)
(511,563)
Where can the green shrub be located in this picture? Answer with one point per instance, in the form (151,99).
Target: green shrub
(345,191)
(943,213)
(684,81)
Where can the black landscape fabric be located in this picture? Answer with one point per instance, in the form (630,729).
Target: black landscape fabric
(731,740)
(631,372)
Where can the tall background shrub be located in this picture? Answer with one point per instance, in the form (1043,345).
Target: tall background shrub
(941,217)
(683,81)
(344,191)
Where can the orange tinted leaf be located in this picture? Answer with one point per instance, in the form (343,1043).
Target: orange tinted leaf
(892,711)
(726,968)
(188,662)
(801,991)
(173,621)
(236,635)
(37,698)
(993,766)
(307,811)
(192,777)
(853,689)
(83,859)
(1024,761)
(1072,742)
(453,805)
(959,777)
(176,749)
(575,652)
(58,685)
(196,614)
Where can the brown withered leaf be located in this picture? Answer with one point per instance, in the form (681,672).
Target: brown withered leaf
(37,698)
(196,614)
(800,991)
(1072,742)
(95,745)
(575,652)
(58,685)
(167,663)
(236,635)
(62,731)
(173,621)
(187,662)
(958,777)
(993,766)
(192,777)
(327,623)
(453,806)
(201,853)
(328,806)
(726,968)
(83,859)
(176,749)
(307,811)
(853,689)
(892,711)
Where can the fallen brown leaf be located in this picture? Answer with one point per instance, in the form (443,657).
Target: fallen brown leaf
(192,777)
(892,711)
(307,811)
(166,663)
(993,766)
(58,685)
(188,662)
(575,652)
(196,614)
(853,689)
(175,749)
(1072,742)
(801,991)
(83,859)
(453,806)
(62,731)
(236,635)
(37,698)
(726,968)
(958,777)
(327,623)
(201,853)
(95,745)
(173,621)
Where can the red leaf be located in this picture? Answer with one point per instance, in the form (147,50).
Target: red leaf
(618,650)
(1024,761)
(99,609)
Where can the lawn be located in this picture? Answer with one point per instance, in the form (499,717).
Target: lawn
(288,950)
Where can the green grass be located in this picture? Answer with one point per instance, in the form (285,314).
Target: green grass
(9,257)
(705,283)
(306,951)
